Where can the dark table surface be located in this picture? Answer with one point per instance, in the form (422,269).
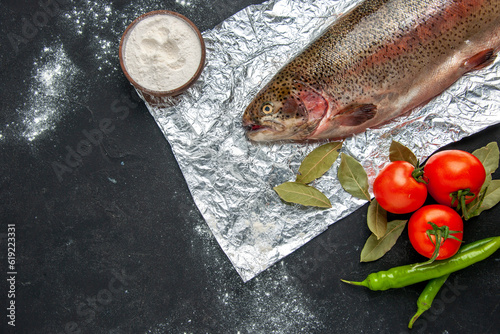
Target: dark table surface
(113,243)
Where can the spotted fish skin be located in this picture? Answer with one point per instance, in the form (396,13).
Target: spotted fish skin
(380,60)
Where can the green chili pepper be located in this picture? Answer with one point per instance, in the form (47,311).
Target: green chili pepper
(427,296)
(432,288)
(398,277)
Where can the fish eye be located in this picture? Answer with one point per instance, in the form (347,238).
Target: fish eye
(267,108)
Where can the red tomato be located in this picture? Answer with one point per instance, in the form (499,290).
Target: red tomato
(444,218)
(396,190)
(453,170)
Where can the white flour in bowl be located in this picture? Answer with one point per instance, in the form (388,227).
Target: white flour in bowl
(162,52)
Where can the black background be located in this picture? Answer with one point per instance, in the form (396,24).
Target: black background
(116,244)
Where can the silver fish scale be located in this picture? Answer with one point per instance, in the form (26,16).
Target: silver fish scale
(231,179)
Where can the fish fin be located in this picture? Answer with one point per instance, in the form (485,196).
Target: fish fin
(480,60)
(356,114)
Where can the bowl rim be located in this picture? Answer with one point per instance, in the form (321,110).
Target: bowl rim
(177,90)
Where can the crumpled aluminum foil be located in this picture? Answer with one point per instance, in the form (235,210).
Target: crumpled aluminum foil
(231,179)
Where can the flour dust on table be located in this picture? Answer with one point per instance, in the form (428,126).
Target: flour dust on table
(48,97)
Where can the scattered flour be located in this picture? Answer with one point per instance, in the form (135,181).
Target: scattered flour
(162,52)
(47,99)
(183,2)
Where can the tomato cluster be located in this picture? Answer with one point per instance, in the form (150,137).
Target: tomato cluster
(453,178)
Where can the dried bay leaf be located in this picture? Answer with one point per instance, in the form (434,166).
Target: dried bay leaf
(489,155)
(375,248)
(491,197)
(318,162)
(399,152)
(377,219)
(353,178)
(299,193)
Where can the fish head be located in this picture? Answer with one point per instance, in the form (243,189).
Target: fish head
(284,110)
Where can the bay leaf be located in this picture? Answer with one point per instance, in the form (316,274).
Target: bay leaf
(295,192)
(318,162)
(377,219)
(474,208)
(399,152)
(489,155)
(492,196)
(375,248)
(353,178)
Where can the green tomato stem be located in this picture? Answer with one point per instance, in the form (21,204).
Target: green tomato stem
(464,208)
(460,196)
(441,233)
(417,174)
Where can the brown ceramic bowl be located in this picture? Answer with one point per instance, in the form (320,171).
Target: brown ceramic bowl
(152,96)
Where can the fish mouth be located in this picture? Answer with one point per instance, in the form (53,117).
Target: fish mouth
(253,128)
